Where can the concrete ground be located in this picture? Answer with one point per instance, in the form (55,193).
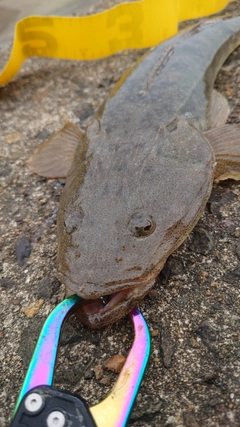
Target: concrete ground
(193,312)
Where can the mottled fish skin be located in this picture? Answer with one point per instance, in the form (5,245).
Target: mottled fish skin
(142,165)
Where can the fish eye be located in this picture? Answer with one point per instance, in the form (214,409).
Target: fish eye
(141,224)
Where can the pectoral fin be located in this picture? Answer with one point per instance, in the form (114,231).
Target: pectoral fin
(53,158)
(225,142)
(219,109)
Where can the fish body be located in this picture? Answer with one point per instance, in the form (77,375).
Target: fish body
(142,172)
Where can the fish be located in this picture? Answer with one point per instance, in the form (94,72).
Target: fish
(139,178)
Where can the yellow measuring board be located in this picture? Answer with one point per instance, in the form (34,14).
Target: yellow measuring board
(126,26)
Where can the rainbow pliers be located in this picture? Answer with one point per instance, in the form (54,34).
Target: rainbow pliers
(42,405)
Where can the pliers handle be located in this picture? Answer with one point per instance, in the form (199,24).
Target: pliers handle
(41,404)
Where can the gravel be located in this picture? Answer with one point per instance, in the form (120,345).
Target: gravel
(194,372)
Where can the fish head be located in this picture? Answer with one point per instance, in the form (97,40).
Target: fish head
(121,214)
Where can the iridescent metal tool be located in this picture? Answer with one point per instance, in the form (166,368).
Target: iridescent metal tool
(40,404)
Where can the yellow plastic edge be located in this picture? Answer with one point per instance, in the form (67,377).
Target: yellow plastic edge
(127,26)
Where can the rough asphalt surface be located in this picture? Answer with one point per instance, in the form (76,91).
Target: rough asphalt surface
(193,378)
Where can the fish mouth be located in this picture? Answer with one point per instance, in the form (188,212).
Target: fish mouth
(102,311)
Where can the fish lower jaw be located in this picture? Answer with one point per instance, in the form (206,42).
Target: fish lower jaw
(95,314)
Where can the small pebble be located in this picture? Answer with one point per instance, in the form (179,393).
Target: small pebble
(201,242)
(89,374)
(190,419)
(84,111)
(232,276)
(23,250)
(98,372)
(209,336)
(47,287)
(167,348)
(154,333)
(34,309)
(215,401)
(105,381)
(10,138)
(116,363)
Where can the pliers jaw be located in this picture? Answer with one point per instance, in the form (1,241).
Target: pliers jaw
(63,407)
